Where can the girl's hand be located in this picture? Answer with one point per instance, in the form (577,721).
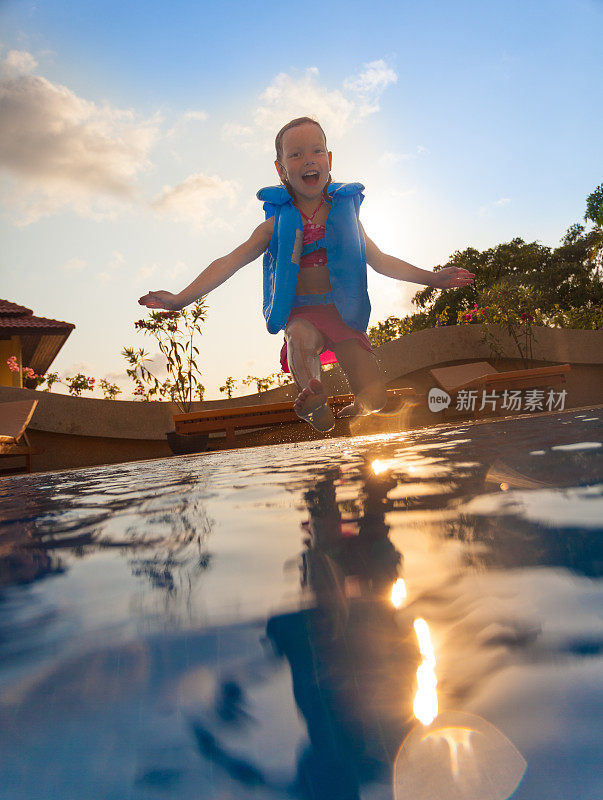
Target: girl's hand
(160,299)
(452,278)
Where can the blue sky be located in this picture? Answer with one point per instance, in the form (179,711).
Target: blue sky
(133,138)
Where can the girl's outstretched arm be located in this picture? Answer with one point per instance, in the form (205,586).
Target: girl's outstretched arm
(447,278)
(216,273)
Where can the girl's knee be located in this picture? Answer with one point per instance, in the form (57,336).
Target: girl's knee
(301,333)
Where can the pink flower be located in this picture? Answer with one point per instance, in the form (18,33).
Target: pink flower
(12,364)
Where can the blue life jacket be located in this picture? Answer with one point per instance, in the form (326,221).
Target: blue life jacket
(346,256)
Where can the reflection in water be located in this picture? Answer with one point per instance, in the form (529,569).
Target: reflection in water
(352,659)
(398,595)
(145,666)
(425,705)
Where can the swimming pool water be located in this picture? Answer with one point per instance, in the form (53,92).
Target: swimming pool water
(222,625)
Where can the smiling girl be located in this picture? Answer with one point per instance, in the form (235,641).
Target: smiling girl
(315,258)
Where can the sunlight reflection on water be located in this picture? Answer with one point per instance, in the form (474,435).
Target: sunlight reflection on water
(224,625)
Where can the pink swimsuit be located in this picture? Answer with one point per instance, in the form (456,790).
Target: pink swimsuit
(324,317)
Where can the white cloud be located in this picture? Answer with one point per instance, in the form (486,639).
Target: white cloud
(116,261)
(195,198)
(290,96)
(241,135)
(179,268)
(388,158)
(196,116)
(116,376)
(85,367)
(20,61)
(370,84)
(73,265)
(302,94)
(183,121)
(60,150)
(145,272)
(502,201)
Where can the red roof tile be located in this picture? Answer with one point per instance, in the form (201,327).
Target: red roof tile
(28,323)
(18,317)
(6,307)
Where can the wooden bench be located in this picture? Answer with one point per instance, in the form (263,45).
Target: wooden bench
(249,418)
(482,376)
(14,419)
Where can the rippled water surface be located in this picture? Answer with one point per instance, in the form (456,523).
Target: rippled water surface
(222,625)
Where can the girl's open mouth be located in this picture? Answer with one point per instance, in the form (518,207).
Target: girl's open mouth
(311,177)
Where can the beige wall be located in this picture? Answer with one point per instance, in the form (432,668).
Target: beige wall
(77,431)
(10,347)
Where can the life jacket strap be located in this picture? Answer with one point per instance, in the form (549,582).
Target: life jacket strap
(313,299)
(318,245)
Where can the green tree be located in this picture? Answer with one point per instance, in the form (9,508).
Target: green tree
(394,327)
(565,281)
(594,206)
(594,213)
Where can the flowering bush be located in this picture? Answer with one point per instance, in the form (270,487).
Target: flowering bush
(175,333)
(110,390)
(76,385)
(513,306)
(80,383)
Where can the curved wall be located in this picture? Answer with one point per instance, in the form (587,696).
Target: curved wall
(79,431)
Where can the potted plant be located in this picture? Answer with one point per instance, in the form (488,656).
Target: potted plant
(175,333)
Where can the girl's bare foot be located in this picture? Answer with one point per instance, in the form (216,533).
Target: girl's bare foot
(312,405)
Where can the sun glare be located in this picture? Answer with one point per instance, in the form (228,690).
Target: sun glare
(425,706)
(458,741)
(378,466)
(398,595)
